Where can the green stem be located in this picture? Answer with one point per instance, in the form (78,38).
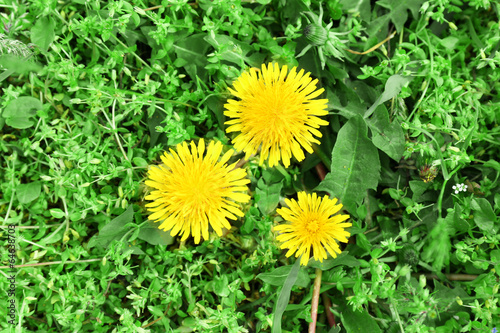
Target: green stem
(322,156)
(441,194)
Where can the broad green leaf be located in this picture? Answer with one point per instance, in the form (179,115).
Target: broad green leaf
(388,137)
(278,276)
(343,259)
(192,55)
(392,88)
(155,236)
(26,193)
(17,65)
(18,112)
(346,101)
(418,188)
(397,13)
(114,230)
(284,296)
(484,216)
(42,33)
(355,165)
(357,6)
(458,223)
(217,107)
(267,196)
(358,321)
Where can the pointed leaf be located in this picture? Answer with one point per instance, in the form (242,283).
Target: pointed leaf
(113,230)
(280,274)
(355,165)
(388,137)
(392,88)
(358,321)
(42,33)
(284,296)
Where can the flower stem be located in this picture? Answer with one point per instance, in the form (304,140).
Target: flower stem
(315,300)
(328,304)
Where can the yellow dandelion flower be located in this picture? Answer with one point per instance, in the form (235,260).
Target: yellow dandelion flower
(313,224)
(193,190)
(276,111)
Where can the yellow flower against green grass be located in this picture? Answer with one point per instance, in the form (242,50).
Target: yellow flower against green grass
(313,224)
(276,111)
(194,189)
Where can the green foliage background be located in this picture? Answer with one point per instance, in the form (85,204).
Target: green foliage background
(93,91)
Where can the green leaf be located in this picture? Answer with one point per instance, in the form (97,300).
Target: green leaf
(42,33)
(355,165)
(358,321)
(495,259)
(232,50)
(335,329)
(284,296)
(397,13)
(418,188)
(113,230)
(392,88)
(221,286)
(57,213)
(26,193)
(193,53)
(343,259)
(278,276)
(357,6)
(18,65)
(217,107)
(155,236)
(387,136)
(267,196)
(140,162)
(484,216)
(346,101)
(18,112)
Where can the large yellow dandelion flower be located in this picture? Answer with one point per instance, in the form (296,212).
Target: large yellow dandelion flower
(276,111)
(193,190)
(313,224)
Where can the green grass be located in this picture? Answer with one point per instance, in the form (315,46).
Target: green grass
(92,92)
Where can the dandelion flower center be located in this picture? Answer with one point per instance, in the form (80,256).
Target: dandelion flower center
(193,190)
(276,112)
(313,225)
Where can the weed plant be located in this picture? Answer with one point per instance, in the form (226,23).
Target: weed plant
(93,92)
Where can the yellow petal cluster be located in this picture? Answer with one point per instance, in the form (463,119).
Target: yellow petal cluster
(276,111)
(313,225)
(195,189)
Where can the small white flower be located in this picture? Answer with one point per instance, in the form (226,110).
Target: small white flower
(459,188)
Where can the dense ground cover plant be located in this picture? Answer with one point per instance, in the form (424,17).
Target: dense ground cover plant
(93,93)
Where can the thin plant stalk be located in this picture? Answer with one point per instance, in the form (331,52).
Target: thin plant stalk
(315,301)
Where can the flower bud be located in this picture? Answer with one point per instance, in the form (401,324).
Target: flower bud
(408,255)
(316,34)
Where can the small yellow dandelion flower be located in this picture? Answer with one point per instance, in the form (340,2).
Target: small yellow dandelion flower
(193,190)
(276,111)
(313,224)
